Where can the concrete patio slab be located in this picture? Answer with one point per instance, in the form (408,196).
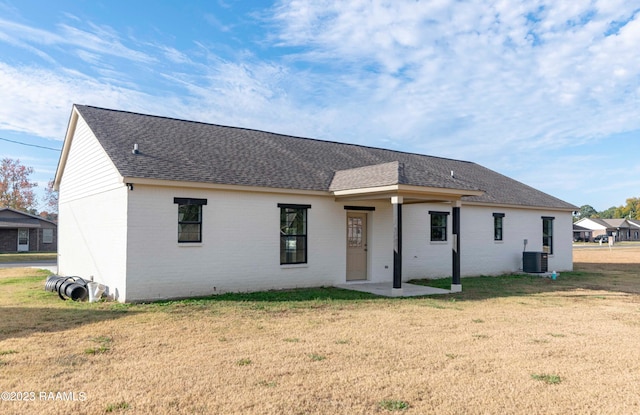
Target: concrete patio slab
(385,289)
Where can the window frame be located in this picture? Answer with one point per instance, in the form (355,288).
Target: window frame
(441,228)
(498,225)
(49,238)
(287,255)
(547,234)
(47,235)
(186,202)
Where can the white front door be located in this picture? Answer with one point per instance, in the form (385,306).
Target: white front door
(23,240)
(356,246)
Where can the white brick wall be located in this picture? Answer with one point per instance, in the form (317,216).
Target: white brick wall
(422,258)
(480,254)
(240,249)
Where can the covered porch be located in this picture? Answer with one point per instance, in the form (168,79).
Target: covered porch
(387,182)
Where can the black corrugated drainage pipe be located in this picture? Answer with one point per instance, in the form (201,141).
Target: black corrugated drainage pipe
(74,288)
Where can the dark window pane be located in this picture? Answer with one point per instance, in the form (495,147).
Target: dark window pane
(188,232)
(189,213)
(497,228)
(438,234)
(293,221)
(293,249)
(189,223)
(547,235)
(293,235)
(438,227)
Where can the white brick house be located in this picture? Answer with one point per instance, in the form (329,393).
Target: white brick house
(159,208)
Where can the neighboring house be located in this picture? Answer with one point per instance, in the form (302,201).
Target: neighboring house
(581,234)
(634,228)
(158,208)
(620,229)
(22,232)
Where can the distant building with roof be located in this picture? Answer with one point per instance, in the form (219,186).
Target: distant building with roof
(23,232)
(620,229)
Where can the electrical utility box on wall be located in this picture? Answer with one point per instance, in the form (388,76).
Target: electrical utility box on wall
(535,261)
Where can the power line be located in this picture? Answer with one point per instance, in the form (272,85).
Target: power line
(30,145)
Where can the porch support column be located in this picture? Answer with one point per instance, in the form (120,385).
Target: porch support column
(456,285)
(396,201)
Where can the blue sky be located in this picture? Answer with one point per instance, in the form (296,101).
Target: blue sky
(545,92)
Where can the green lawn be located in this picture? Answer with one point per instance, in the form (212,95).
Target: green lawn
(28,257)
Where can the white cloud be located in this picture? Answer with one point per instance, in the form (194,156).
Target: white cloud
(215,22)
(9,39)
(469,73)
(103,40)
(174,55)
(41,99)
(98,39)
(30,34)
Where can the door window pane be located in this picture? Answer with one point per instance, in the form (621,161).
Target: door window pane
(354,232)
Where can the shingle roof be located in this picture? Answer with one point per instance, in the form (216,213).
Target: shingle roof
(172,149)
(613,223)
(19,223)
(11,218)
(616,223)
(368,176)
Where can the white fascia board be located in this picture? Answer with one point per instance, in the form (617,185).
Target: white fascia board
(407,190)
(217,186)
(510,206)
(71,129)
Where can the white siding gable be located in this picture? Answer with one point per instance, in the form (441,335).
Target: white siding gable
(88,169)
(589,224)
